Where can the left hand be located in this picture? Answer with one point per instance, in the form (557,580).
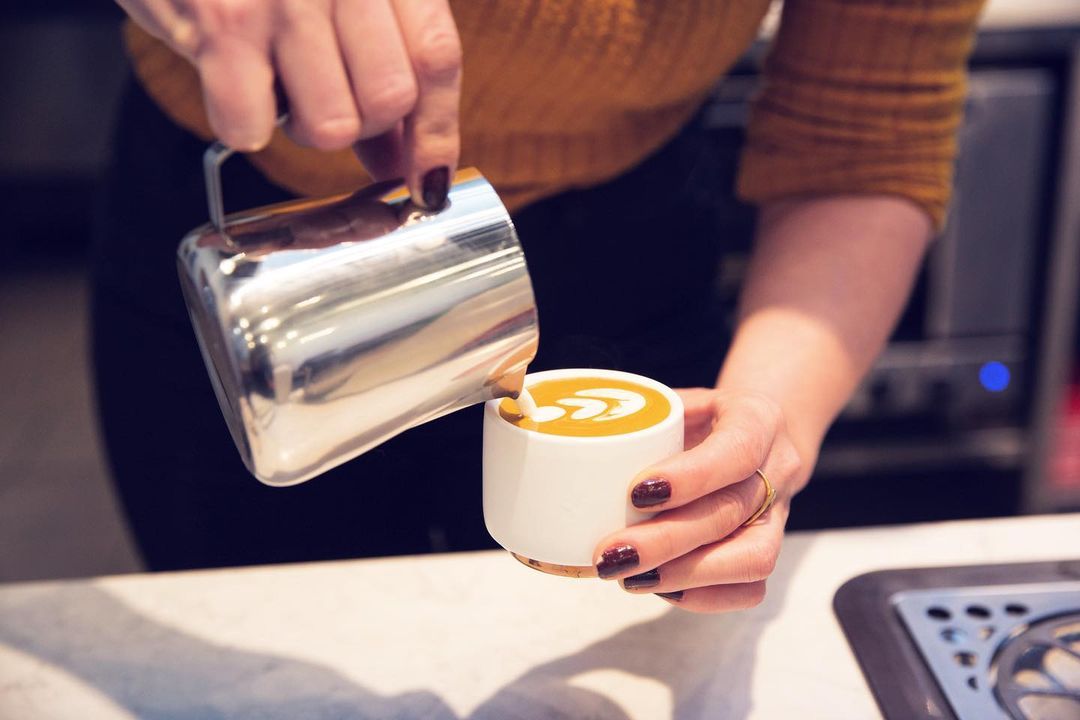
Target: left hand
(697,548)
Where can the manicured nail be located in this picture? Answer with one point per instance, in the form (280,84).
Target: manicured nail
(676,596)
(650,492)
(436,185)
(642,580)
(617,560)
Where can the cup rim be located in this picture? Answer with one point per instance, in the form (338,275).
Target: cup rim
(675,416)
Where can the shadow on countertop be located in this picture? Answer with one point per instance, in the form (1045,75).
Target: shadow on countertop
(158,673)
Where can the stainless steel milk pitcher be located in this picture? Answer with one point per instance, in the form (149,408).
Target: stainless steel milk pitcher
(329,326)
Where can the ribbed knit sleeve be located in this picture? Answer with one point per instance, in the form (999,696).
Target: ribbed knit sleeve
(861,96)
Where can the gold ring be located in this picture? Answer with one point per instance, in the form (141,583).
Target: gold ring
(770,495)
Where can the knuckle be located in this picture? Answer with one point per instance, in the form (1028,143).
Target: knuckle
(226,16)
(792,465)
(765,407)
(292,12)
(390,103)
(184,37)
(438,57)
(438,133)
(745,445)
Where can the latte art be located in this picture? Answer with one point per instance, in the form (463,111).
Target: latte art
(598,405)
(586,406)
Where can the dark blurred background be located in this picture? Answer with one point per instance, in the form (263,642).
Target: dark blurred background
(974,409)
(61,72)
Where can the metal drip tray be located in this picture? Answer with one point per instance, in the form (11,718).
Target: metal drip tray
(994,642)
(1000,652)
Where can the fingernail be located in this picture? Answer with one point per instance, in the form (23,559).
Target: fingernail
(617,560)
(650,492)
(676,596)
(642,580)
(436,185)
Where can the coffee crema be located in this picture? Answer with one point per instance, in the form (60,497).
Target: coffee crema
(589,407)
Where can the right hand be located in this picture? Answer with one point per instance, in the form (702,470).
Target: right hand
(384,75)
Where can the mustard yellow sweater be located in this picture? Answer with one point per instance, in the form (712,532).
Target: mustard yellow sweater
(860,96)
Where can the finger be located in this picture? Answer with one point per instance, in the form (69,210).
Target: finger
(233,59)
(652,543)
(384,156)
(740,440)
(747,555)
(698,403)
(699,408)
(720,598)
(322,110)
(380,73)
(163,20)
(432,142)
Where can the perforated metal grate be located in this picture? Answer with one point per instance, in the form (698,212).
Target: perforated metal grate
(1005,651)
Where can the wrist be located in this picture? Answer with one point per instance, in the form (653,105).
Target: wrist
(825,284)
(796,364)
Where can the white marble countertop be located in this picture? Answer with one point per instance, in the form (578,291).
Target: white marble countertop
(464,636)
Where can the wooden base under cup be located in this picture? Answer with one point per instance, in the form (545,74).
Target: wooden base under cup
(570,571)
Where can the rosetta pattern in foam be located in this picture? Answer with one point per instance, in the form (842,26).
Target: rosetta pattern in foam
(586,406)
(598,405)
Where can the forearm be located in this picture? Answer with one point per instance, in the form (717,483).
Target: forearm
(826,283)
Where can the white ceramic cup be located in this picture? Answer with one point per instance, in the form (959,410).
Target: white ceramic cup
(549,499)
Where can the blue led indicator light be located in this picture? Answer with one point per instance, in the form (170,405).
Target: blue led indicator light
(994,376)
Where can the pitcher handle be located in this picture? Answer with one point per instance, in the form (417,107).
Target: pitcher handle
(214,157)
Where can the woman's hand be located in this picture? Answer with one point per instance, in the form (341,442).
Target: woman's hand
(827,280)
(697,553)
(385,74)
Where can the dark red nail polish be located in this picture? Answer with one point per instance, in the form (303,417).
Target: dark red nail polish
(650,492)
(435,187)
(617,560)
(642,580)
(676,596)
